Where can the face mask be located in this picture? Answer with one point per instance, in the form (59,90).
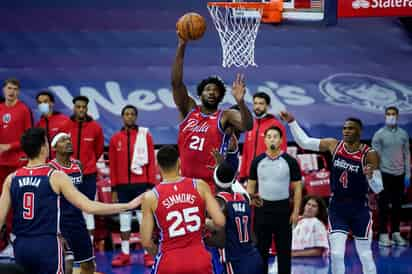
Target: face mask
(390,120)
(44,108)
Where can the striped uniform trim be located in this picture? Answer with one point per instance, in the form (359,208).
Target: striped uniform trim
(229,268)
(60,269)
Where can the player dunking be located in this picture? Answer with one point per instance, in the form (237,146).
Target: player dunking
(237,251)
(202,127)
(178,205)
(73,226)
(354,170)
(34,192)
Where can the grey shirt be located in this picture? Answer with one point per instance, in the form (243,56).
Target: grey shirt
(392,145)
(274,175)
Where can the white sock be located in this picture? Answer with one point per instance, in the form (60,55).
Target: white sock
(92,239)
(125,247)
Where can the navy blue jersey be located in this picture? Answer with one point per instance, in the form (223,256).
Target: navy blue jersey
(69,211)
(238,242)
(36,209)
(347,178)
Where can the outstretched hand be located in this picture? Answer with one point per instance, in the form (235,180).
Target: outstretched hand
(218,158)
(239,88)
(286,116)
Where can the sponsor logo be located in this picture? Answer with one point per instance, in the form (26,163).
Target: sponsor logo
(381,4)
(366,92)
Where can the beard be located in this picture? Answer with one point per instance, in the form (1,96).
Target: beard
(208,105)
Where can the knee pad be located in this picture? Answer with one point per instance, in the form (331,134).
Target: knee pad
(89,219)
(139,216)
(125,221)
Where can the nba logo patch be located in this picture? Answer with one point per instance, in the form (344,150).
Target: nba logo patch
(6,118)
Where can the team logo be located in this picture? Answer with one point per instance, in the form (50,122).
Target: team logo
(357,4)
(366,92)
(6,118)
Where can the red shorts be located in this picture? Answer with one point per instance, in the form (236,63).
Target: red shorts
(184,261)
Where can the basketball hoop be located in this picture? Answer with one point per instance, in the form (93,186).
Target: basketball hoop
(237,24)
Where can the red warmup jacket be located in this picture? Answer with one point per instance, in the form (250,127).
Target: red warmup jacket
(14,121)
(121,155)
(255,144)
(53,124)
(88,142)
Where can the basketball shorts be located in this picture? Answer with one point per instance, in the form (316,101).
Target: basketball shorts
(250,264)
(74,231)
(354,216)
(183,261)
(88,187)
(126,193)
(41,254)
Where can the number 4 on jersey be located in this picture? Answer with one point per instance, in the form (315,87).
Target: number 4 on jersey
(344,179)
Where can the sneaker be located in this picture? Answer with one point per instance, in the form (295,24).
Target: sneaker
(121,259)
(384,240)
(398,240)
(148,260)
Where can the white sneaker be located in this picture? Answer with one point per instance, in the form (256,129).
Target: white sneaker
(398,240)
(384,240)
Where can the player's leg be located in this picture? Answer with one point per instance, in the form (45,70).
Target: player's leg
(362,231)
(89,189)
(82,247)
(283,238)
(339,228)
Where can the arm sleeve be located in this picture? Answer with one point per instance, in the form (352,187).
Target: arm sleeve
(376,144)
(407,157)
(302,139)
(152,161)
(112,162)
(294,169)
(99,145)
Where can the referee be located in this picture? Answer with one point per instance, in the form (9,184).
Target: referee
(271,175)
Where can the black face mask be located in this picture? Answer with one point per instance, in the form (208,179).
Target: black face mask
(272,147)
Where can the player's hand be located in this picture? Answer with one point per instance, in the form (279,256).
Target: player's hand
(294,217)
(239,88)
(286,116)
(218,158)
(136,202)
(4,147)
(256,200)
(368,171)
(233,143)
(181,41)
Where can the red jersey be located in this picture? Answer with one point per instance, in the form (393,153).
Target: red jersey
(198,134)
(14,120)
(180,214)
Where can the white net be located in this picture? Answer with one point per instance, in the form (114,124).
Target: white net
(237,28)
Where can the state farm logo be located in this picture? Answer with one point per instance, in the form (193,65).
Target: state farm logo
(360,4)
(357,4)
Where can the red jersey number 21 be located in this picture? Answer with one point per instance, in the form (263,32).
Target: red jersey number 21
(28,206)
(196,143)
(343,179)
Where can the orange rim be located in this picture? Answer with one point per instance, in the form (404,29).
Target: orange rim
(243,5)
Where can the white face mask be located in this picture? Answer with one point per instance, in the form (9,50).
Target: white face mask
(390,120)
(44,108)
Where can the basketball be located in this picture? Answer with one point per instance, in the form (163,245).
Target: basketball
(191,26)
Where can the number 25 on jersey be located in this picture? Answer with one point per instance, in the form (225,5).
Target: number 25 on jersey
(183,222)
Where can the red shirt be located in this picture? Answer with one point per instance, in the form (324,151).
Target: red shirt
(88,142)
(180,214)
(121,155)
(255,144)
(14,122)
(53,124)
(198,134)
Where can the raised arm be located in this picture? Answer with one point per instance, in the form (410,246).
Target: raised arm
(303,140)
(61,183)
(181,96)
(372,172)
(242,120)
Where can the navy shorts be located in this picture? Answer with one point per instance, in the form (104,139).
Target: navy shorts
(41,254)
(88,187)
(126,193)
(250,264)
(354,216)
(74,231)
